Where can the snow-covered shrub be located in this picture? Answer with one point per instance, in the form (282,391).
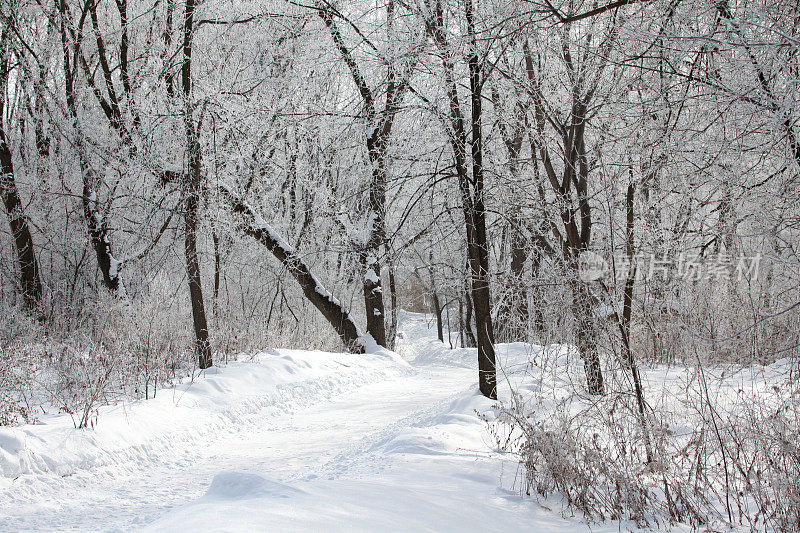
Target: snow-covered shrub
(18,338)
(85,379)
(592,456)
(115,351)
(758,436)
(12,407)
(96,349)
(722,442)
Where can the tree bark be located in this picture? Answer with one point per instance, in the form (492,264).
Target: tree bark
(392,334)
(314,291)
(30,283)
(471,188)
(586,334)
(437,310)
(192,200)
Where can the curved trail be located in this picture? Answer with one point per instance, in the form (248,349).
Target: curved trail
(316,441)
(293,441)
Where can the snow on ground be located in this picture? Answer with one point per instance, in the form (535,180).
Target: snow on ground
(291,440)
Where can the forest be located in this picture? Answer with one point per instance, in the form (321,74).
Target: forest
(594,205)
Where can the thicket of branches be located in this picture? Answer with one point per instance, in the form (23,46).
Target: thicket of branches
(185,180)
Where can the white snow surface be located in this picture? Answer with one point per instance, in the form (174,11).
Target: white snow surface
(285,440)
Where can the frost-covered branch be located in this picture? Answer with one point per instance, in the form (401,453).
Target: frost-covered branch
(331,308)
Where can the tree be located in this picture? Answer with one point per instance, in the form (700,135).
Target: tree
(71,39)
(571,188)
(194,187)
(378,131)
(470,183)
(30,282)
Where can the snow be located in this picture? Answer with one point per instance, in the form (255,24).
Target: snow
(356,236)
(322,291)
(284,440)
(371,276)
(264,226)
(272,382)
(359,236)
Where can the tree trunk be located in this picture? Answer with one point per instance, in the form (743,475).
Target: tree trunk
(376,225)
(392,335)
(586,333)
(469,339)
(470,187)
(437,310)
(192,200)
(217,270)
(461,338)
(95,221)
(625,323)
(373,296)
(478,243)
(315,292)
(379,127)
(30,282)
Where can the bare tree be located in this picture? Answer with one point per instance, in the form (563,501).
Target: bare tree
(194,186)
(71,39)
(571,187)
(378,131)
(471,184)
(30,282)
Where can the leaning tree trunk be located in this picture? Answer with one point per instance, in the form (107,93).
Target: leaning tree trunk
(314,291)
(192,201)
(377,137)
(23,241)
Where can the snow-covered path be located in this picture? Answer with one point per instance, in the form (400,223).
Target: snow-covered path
(292,441)
(314,441)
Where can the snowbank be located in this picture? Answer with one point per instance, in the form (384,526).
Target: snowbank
(272,383)
(295,440)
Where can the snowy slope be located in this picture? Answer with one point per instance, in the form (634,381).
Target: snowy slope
(272,383)
(293,440)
